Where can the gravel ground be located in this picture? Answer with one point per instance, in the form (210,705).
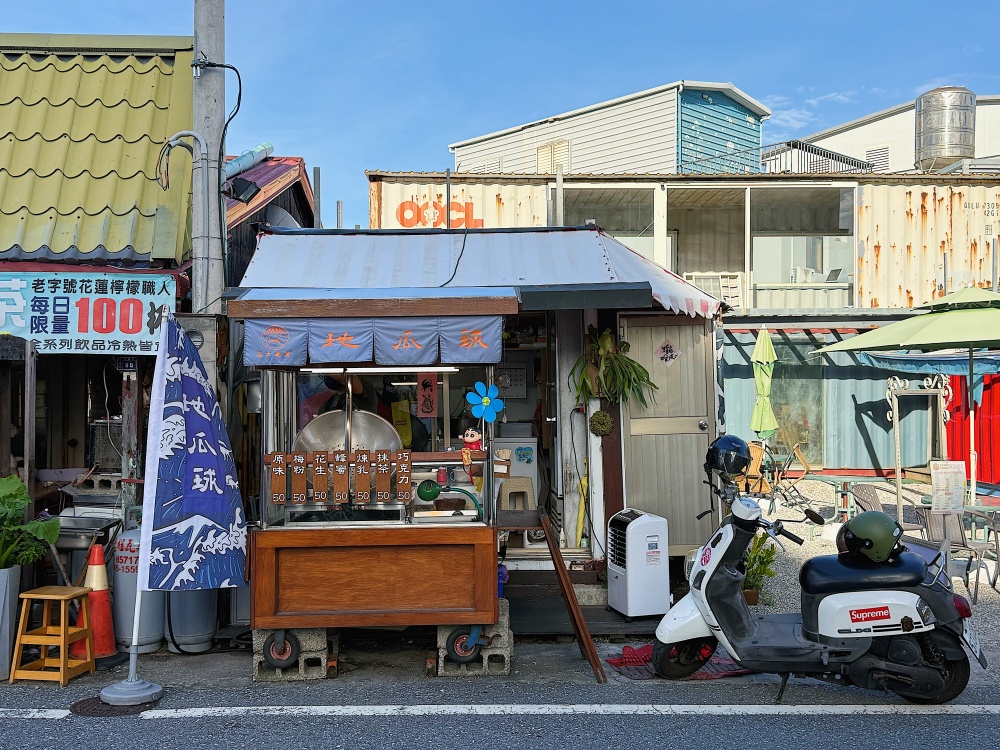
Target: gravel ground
(783,590)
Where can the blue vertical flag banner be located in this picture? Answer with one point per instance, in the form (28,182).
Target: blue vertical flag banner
(194,530)
(471,339)
(406,341)
(281,343)
(341,339)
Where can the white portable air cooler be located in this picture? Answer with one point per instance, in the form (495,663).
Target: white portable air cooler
(638,566)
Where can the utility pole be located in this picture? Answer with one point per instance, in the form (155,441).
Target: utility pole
(209,117)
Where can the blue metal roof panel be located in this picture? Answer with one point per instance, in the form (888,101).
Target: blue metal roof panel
(317,259)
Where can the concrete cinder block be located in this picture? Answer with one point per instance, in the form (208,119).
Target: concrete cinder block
(494,659)
(312,661)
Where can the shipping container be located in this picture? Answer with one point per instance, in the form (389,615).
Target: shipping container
(487,205)
(910,235)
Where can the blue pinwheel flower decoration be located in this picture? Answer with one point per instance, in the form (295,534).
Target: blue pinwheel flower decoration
(485,403)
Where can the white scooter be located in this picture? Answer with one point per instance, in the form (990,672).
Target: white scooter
(895,626)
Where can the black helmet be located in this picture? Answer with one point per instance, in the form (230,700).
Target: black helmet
(729,456)
(872,534)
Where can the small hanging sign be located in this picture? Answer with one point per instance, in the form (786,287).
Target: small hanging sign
(427,394)
(341,472)
(321,487)
(667,353)
(279,479)
(362,477)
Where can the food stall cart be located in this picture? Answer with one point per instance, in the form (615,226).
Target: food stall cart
(345,538)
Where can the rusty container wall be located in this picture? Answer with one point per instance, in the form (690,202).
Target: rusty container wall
(485,205)
(904,232)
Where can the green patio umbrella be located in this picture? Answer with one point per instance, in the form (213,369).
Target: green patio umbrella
(966,319)
(762,421)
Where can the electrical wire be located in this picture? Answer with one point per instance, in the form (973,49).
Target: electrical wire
(107,412)
(223,234)
(465,236)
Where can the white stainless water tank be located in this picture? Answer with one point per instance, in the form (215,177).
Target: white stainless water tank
(945,127)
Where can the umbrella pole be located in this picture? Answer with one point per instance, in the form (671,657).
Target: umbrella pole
(972,430)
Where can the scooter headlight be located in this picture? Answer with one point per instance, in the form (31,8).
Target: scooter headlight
(689,560)
(925,612)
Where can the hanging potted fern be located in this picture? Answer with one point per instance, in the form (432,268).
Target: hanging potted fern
(605,370)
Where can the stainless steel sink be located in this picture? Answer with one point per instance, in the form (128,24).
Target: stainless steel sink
(75,532)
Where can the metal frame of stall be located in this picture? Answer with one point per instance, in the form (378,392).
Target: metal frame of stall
(366,573)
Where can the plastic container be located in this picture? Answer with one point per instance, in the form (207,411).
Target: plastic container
(503,575)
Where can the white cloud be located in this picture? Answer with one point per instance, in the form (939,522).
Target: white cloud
(838,97)
(949,79)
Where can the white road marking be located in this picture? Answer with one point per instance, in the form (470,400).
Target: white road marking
(33,713)
(556,709)
(536,709)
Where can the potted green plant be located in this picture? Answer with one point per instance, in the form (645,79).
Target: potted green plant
(760,566)
(605,369)
(21,543)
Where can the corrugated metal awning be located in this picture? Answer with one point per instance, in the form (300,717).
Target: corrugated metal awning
(545,263)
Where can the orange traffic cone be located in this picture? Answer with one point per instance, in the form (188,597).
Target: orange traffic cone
(100,609)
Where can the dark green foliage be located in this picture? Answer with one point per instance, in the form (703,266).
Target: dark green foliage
(22,543)
(605,369)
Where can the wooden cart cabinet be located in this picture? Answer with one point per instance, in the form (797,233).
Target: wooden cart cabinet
(368,577)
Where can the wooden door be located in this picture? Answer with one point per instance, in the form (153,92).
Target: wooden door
(665,444)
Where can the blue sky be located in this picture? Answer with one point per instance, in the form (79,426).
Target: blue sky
(388,85)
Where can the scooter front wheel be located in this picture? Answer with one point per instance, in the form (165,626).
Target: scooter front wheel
(678,660)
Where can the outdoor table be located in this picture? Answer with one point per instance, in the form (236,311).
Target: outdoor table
(983,504)
(842,484)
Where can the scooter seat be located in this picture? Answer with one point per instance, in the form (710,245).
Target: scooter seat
(833,574)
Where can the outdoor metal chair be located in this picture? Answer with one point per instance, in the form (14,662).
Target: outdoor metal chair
(991,525)
(866,498)
(786,485)
(935,525)
(754,480)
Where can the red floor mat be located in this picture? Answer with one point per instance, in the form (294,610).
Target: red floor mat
(636,664)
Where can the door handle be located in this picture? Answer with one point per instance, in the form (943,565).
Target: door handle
(703,425)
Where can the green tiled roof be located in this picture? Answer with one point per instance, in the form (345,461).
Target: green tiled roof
(82,121)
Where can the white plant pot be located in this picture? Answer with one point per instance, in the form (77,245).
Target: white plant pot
(10,585)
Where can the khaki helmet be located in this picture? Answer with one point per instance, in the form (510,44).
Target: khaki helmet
(871,534)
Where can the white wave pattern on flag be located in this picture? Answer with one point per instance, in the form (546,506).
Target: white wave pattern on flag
(177,367)
(207,538)
(172,436)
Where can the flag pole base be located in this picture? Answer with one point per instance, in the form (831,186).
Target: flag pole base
(131,693)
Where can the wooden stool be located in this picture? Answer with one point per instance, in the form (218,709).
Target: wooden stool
(60,636)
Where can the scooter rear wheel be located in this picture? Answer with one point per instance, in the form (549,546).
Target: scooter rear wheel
(956,678)
(678,660)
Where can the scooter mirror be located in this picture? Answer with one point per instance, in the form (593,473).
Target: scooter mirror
(815,517)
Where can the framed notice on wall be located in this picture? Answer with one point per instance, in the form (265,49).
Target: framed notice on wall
(947,486)
(512,379)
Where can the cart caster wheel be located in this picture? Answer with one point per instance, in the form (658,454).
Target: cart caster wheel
(628,620)
(459,649)
(283,657)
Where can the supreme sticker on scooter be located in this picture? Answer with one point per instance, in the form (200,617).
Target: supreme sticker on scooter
(706,556)
(872,613)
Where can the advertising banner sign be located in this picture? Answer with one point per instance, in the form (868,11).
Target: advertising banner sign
(83,313)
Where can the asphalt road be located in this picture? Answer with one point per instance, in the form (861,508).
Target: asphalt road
(549,701)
